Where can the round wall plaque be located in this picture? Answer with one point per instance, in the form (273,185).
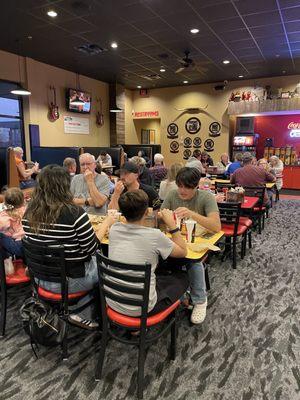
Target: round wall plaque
(197,142)
(187,142)
(174,147)
(193,125)
(214,129)
(172,130)
(187,154)
(209,145)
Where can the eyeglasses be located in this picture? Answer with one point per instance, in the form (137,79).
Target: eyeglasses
(86,163)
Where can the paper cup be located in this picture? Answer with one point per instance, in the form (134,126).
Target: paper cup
(190,224)
(112,213)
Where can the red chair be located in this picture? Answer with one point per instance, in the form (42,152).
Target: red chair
(258,212)
(248,223)
(131,289)
(48,264)
(18,278)
(232,228)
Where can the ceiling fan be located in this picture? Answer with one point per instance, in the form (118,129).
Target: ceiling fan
(188,63)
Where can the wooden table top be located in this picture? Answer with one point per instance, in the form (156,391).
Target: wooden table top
(269,185)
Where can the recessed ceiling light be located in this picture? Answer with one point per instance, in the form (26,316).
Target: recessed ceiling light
(139,87)
(114,45)
(162,69)
(52,13)
(241,76)
(284,72)
(226,62)
(29,37)
(185,82)
(277,55)
(194,30)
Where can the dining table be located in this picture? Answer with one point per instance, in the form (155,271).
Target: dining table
(269,185)
(205,243)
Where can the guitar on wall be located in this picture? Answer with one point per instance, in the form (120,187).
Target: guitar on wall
(53,113)
(99,114)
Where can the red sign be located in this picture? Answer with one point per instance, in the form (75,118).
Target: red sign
(146,114)
(294,125)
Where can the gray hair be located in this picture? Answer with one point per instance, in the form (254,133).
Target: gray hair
(158,158)
(69,162)
(84,155)
(247,158)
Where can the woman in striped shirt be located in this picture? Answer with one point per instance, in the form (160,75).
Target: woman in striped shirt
(52,217)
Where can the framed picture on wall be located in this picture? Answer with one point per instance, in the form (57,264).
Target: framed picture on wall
(145,136)
(151,136)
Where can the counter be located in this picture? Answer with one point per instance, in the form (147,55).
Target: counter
(291,177)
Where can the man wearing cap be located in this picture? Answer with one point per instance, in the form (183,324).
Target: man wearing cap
(90,189)
(251,175)
(128,182)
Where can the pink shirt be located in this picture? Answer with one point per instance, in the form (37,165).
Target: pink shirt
(10,226)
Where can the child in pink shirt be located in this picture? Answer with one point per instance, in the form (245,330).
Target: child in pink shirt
(11,229)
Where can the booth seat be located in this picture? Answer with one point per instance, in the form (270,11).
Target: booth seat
(45,155)
(3,166)
(149,149)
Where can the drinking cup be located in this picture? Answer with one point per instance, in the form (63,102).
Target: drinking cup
(190,225)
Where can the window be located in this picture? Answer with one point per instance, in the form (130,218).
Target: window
(11,118)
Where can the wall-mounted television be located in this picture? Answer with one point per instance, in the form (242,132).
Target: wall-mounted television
(73,95)
(243,140)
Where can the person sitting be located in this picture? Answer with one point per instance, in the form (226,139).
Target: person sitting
(158,172)
(104,160)
(195,161)
(235,165)
(277,165)
(251,175)
(224,162)
(200,205)
(206,160)
(90,189)
(263,163)
(128,182)
(70,165)
(169,183)
(52,217)
(142,154)
(11,229)
(132,242)
(25,174)
(144,174)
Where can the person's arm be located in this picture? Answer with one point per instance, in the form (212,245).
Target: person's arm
(180,248)
(104,227)
(114,202)
(270,177)
(85,234)
(233,178)
(97,199)
(25,173)
(211,222)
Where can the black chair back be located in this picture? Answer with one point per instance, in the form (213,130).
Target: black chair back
(46,262)
(230,214)
(113,275)
(256,191)
(221,185)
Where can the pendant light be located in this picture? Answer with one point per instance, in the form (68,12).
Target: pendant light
(77,101)
(114,107)
(19,89)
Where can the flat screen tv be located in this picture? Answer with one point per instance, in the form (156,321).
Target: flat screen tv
(243,140)
(78,95)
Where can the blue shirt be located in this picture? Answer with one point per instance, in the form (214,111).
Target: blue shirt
(232,167)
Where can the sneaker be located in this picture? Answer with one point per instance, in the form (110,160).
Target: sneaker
(199,313)
(83,323)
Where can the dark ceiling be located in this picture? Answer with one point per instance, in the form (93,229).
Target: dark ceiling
(260,38)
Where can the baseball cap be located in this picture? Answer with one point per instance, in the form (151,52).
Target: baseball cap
(129,167)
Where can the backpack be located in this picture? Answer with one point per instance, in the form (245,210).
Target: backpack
(42,323)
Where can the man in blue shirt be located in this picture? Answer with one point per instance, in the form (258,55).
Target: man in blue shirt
(235,165)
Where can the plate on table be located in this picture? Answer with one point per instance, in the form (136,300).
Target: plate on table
(96,219)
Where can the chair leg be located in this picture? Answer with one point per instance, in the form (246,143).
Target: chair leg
(259,224)
(65,353)
(103,344)
(141,365)
(234,253)
(3,308)
(207,282)
(173,339)
(250,238)
(263,221)
(243,245)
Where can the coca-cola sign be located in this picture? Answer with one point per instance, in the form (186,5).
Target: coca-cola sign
(294,125)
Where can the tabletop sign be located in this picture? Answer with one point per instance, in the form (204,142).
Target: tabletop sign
(193,125)
(77,125)
(214,129)
(172,130)
(145,114)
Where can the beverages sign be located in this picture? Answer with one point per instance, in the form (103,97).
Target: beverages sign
(295,129)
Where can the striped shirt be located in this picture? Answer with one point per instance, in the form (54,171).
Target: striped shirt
(74,231)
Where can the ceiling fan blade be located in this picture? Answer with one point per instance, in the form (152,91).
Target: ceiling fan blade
(180,69)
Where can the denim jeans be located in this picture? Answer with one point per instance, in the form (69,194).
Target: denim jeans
(88,282)
(10,246)
(196,275)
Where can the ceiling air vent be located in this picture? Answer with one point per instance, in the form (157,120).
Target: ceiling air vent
(90,49)
(151,77)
